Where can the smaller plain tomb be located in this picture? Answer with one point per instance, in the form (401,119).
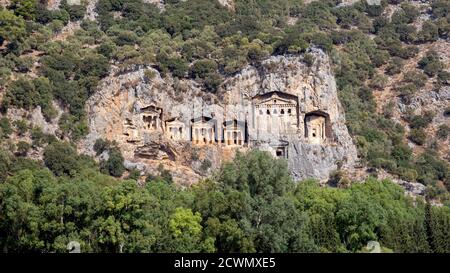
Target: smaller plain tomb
(317,127)
(175,129)
(281,152)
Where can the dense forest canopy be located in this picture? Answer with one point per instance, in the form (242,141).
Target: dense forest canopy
(249,206)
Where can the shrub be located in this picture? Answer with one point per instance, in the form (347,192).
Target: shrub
(22,148)
(21,93)
(443,131)
(378,81)
(407,92)
(61,158)
(5,127)
(420,121)
(203,68)
(114,165)
(134,174)
(21,127)
(95,65)
(417,136)
(308,59)
(76,12)
(12,27)
(429,32)
(443,77)
(72,126)
(212,82)
(395,66)
(407,33)
(206,164)
(416,78)
(101,145)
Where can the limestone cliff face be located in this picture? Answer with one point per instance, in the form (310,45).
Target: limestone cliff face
(282,105)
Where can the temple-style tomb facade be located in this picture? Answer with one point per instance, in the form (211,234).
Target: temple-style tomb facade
(275,113)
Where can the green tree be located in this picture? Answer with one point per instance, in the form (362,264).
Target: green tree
(22,94)
(431,64)
(24,8)
(186,232)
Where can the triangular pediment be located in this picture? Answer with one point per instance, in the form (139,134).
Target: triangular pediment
(276,100)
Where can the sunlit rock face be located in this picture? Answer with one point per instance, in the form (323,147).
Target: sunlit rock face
(282,106)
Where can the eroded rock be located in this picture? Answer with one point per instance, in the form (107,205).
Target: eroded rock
(282,106)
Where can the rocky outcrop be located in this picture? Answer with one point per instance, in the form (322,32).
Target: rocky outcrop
(140,111)
(229,4)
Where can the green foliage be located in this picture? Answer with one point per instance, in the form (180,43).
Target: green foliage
(443,131)
(24,8)
(186,231)
(29,94)
(440,8)
(431,64)
(420,121)
(395,66)
(22,148)
(76,12)
(418,136)
(72,126)
(206,164)
(203,68)
(429,32)
(416,78)
(113,165)
(5,127)
(21,127)
(21,94)
(101,145)
(39,138)
(436,221)
(134,174)
(12,27)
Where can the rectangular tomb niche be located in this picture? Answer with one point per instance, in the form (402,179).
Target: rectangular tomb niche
(175,129)
(276,113)
(151,118)
(317,127)
(281,152)
(203,130)
(234,133)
